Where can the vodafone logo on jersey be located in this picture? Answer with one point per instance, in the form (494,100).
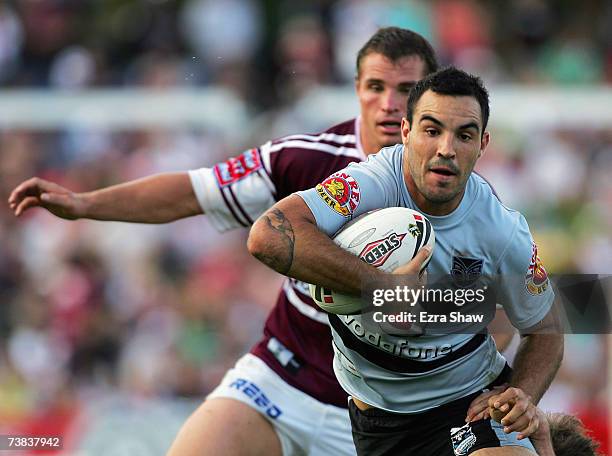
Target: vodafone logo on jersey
(340,192)
(377,252)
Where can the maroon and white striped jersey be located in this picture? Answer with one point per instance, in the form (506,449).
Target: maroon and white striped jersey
(297,337)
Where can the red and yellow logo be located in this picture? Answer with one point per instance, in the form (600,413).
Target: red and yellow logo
(536,280)
(340,192)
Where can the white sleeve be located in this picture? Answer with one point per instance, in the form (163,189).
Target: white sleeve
(236,192)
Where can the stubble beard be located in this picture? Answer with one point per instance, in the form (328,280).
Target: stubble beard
(439,195)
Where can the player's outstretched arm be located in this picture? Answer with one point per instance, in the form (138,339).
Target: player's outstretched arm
(159,198)
(286,238)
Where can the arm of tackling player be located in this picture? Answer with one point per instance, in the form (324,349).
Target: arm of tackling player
(158,198)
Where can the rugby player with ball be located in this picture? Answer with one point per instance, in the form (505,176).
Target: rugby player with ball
(402,404)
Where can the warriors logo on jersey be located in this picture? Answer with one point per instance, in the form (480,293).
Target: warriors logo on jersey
(340,192)
(536,280)
(466,271)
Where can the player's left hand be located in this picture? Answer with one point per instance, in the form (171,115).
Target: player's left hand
(479,408)
(519,413)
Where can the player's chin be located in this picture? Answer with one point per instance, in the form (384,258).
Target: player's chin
(439,198)
(437,194)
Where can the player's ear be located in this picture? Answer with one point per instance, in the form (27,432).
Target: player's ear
(405,129)
(484,142)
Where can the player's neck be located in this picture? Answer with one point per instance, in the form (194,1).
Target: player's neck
(369,147)
(368,144)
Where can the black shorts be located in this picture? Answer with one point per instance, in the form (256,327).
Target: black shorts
(441,431)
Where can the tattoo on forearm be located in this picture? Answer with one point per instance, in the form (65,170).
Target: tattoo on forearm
(283,258)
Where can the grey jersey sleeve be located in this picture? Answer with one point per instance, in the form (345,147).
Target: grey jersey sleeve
(525,290)
(352,191)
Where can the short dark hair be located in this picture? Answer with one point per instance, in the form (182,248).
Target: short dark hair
(569,437)
(451,81)
(395,43)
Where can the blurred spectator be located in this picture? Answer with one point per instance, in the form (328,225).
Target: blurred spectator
(370,15)
(461,25)
(303,57)
(224,37)
(570,60)
(49,27)
(11,36)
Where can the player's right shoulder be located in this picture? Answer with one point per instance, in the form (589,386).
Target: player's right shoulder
(342,133)
(302,160)
(348,127)
(339,136)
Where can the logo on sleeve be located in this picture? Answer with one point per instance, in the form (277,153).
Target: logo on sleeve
(536,280)
(237,168)
(463,439)
(341,193)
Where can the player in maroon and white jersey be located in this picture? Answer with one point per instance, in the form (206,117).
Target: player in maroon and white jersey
(235,193)
(282,397)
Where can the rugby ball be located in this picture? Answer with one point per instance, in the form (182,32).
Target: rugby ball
(386,239)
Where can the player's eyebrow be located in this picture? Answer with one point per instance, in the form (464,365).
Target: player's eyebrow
(406,85)
(431,119)
(466,126)
(469,125)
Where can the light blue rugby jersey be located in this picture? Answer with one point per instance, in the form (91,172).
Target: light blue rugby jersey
(479,228)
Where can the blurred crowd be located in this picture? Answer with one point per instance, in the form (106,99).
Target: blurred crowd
(89,309)
(284,47)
